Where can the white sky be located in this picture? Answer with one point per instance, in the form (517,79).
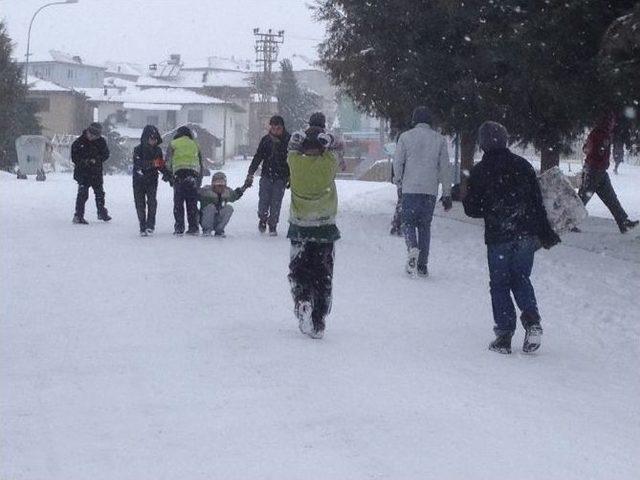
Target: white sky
(146,31)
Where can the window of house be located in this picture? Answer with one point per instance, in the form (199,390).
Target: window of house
(194,116)
(70,73)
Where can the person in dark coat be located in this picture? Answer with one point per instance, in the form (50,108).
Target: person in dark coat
(595,179)
(88,152)
(147,162)
(503,190)
(274,179)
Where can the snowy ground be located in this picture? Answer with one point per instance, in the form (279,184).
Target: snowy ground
(178,358)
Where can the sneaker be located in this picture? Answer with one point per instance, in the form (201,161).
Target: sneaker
(532,338)
(502,344)
(150,231)
(143,233)
(412,262)
(220,234)
(303,311)
(262,226)
(104,215)
(78,220)
(423,271)
(628,225)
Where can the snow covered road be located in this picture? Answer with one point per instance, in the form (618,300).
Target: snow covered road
(178,358)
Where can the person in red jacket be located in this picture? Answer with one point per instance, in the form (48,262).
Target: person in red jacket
(595,179)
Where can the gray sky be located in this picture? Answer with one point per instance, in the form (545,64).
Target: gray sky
(146,31)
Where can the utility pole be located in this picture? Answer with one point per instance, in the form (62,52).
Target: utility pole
(267,49)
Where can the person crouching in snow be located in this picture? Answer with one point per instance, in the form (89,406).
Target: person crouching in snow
(215,211)
(504,190)
(312,227)
(147,162)
(184,160)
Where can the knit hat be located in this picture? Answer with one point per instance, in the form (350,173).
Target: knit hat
(421,115)
(276,120)
(219,178)
(95,129)
(492,136)
(317,119)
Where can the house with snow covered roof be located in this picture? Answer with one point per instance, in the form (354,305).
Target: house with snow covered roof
(66,70)
(60,110)
(129,111)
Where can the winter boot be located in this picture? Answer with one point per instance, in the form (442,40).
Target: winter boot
(318,329)
(220,234)
(78,220)
(104,215)
(423,271)
(502,344)
(533,331)
(627,225)
(193,231)
(303,311)
(150,231)
(272,231)
(143,233)
(412,262)
(262,226)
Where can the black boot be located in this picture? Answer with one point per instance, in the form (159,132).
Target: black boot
(104,215)
(262,226)
(627,225)
(502,344)
(79,220)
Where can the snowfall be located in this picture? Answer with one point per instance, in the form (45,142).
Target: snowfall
(179,358)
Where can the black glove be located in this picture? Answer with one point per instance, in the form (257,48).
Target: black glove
(168,177)
(447,203)
(549,239)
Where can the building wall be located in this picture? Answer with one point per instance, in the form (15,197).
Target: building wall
(68,74)
(67,112)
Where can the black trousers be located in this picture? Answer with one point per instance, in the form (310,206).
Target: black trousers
(598,182)
(185,192)
(311,276)
(84,184)
(144,194)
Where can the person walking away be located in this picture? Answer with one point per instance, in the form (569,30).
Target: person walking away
(184,161)
(421,163)
(215,200)
(88,152)
(503,190)
(312,228)
(595,179)
(147,162)
(274,179)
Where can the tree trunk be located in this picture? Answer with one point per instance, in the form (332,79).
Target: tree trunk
(467,151)
(549,157)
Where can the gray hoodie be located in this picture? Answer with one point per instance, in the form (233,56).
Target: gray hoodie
(421,162)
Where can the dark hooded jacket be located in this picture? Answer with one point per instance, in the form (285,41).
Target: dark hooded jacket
(272,153)
(504,190)
(145,156)
(88,156)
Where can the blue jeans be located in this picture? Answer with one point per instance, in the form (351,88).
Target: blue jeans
(417,212)
(510,265)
